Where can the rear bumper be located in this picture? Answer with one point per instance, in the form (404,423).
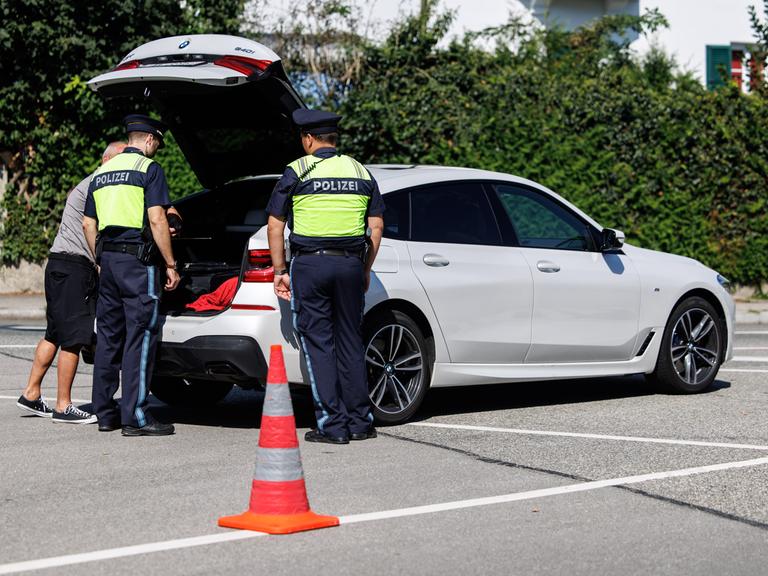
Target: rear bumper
(236,359)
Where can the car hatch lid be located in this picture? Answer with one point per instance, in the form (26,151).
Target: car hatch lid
(227,101)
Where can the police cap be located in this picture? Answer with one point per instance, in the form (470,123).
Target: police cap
(316,121)
(142,123)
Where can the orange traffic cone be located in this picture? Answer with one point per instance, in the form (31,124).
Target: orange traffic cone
(279,502)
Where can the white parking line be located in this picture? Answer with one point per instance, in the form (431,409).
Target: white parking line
(747,370)
(68,560)
(749,359)
(58,561)
(590,436)
(750,348)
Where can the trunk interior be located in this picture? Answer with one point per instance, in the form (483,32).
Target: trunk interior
(212,246)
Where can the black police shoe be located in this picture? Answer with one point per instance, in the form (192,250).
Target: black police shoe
(108,426)
(317,436)
(364,435)
(152,428)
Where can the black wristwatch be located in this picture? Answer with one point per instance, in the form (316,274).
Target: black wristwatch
(281,272)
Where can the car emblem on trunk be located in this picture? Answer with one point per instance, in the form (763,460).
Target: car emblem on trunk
(184,44)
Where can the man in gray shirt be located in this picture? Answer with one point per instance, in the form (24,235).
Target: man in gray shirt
(70,293)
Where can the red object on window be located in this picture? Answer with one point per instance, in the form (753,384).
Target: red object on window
(218,299)
(242,64)
(260,267)
(127,65)
(737,72)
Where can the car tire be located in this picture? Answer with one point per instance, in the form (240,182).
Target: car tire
(182,391)
(398,365)
(691,349)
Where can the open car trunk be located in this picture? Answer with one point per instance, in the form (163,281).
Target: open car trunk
(213,245)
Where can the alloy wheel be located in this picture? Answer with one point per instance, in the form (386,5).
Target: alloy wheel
(395,367)
(695,346)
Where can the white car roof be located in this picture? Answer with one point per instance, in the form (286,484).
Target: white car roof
(392,177)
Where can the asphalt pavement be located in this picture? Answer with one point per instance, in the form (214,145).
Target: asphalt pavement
(600,476)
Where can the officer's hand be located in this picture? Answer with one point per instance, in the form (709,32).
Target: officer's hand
(174,225)
(367,281)
(283,287)
(171,279)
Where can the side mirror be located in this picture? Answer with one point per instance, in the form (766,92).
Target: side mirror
(611,239)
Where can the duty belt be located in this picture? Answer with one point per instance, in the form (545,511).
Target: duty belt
(124,248)
(332,252)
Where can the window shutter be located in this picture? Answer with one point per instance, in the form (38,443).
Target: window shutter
(718,65)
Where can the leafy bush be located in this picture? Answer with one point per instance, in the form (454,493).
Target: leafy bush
(633,143)
(54,127)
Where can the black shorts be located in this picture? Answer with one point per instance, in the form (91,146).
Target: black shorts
(71,285)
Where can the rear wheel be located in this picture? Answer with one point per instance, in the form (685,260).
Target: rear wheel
(398,366)
(691,349)
(189,392)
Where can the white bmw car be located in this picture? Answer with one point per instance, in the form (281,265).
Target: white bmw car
(482,277)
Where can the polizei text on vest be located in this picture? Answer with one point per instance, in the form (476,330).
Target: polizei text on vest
(335,185)
(112,178)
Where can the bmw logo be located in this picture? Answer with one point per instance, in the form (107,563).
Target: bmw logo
(184,44)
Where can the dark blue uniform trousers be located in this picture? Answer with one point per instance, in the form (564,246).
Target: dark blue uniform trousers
(126,338)
(328,299)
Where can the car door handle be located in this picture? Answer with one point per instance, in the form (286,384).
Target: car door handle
(435,260)
(546,266)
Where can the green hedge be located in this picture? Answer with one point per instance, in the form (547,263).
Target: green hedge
(54,128)
(634,144)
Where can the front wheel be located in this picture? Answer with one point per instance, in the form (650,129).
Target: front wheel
(398,366)
(188,392)
(691,349)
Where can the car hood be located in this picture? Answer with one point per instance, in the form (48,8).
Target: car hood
(228,102)
(662,258)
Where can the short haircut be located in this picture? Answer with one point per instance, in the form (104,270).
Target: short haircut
(136,136)
(114,148)
(331,138)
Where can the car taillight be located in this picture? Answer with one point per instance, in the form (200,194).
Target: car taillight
(242,64)
(127,65)
(260,267)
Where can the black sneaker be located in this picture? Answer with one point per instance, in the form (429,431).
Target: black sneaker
(73,415)
(37,407)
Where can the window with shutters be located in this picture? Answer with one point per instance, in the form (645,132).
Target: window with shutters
(718,66)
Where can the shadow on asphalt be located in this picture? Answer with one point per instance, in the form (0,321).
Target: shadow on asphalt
(242,408)
(449,401)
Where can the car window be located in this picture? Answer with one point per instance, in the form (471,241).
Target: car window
(453,212)
(540,222)
(397,216)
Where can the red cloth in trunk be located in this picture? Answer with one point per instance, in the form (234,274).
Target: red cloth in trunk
(216,300)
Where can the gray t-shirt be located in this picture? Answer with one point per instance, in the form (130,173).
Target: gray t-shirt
(70,238)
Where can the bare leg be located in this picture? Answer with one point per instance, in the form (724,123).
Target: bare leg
(67,367)
(44,355)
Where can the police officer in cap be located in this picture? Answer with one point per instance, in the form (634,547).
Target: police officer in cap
(328,199)
(126,204)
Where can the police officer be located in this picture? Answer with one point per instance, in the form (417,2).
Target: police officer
(128,195)
(327,199)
